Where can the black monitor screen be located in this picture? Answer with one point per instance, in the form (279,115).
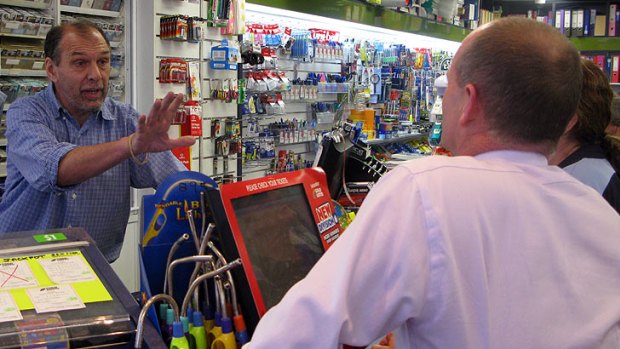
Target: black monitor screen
(281,238)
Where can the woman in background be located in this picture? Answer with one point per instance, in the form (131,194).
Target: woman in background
(583,150)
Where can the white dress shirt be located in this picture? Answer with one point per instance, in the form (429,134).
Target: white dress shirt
(495,251)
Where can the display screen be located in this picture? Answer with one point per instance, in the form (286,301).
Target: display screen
(281,238)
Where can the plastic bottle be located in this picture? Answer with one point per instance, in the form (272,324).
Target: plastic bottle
(227,339)
(178,338)
(216,331)
(241,333)
(197,335)
(209,321)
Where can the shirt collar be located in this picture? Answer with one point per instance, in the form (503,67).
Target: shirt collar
(104,112)
(531,158)
(592,151)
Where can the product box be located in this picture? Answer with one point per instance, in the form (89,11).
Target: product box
(193,121)
(87,3)
(98,4)
(615,69)
(611,28)
(600,25)
(184,154)
(116,5)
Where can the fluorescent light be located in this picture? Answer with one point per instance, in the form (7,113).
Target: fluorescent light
(286,18)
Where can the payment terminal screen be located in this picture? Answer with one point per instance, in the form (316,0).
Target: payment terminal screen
(281,238)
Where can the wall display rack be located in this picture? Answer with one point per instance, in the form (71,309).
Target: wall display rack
(335,85)
(212,89)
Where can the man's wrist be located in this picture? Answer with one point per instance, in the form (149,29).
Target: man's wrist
(134,158)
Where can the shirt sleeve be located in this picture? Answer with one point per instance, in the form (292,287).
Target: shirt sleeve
(33,146)
(159,167)
(373,279)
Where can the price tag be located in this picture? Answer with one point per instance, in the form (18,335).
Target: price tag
(49,237)
(12,24)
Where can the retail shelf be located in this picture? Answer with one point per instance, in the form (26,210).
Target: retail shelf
(22,36)
(598,43)
(316,60)
(222,173)
(294,143)
(217,156)
(364,13)
(23,72)
(255,171)
(403,138)
(23,3)
(257,162)
(89,11)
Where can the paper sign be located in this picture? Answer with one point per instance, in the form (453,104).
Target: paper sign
(30,272)
(16,275)
(8,308)
(67,269)
(54,298)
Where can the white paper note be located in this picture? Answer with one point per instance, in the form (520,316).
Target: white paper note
(54,298)
(16,275)
(67,269)
(8,308)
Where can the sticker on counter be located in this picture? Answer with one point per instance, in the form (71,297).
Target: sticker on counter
(54,298)
(67,269)
(8,308)
(16,274)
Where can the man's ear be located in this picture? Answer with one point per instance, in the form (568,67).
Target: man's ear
(571,123)
(471,107)
(50,69)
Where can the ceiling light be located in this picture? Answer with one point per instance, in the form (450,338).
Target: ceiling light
(259,13)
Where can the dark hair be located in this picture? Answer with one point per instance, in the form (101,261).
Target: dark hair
(528,77)
(594,108)
(55,35)
(612,149)
(615,111)
(594,112)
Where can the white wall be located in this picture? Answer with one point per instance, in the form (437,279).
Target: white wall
(126,266)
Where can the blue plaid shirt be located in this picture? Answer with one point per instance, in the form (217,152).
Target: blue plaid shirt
(39,134)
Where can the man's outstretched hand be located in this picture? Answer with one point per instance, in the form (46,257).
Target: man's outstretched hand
(152,133)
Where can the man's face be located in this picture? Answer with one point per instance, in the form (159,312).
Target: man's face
(81,76)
